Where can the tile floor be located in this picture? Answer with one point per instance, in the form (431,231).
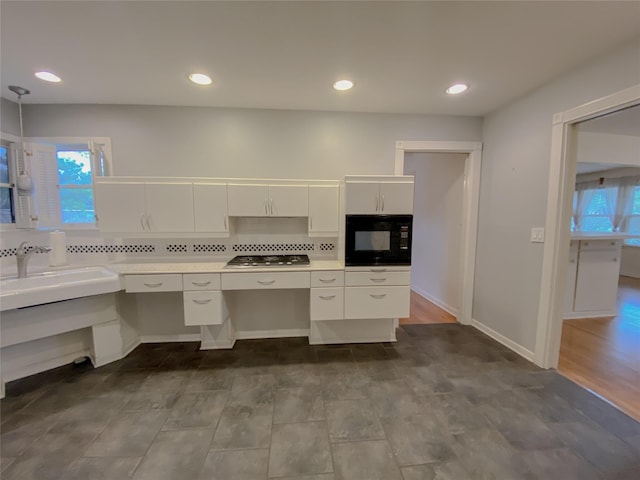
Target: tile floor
(444,402)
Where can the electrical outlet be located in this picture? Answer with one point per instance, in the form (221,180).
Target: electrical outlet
(537,234)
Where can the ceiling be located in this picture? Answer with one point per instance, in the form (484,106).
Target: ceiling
(286,55)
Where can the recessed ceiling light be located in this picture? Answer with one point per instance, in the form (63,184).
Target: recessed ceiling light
(343,85)
(200,78)
(457,88)
(48,77)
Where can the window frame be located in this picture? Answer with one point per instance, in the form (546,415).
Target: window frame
(9,140)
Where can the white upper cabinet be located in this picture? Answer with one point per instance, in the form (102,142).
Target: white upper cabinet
(144,207)
(268,200)
(120,207)
(210,207)
(169,207)
(323,210)
(382,198)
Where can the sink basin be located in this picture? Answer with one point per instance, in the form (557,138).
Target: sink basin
(39,288)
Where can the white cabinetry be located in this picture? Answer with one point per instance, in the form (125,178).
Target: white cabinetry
(388,197)
(323,210)
(327,295)
(210,207)
(592,279)
(144,207)
(266,280)
(268,200)
(377,293)
(203,301)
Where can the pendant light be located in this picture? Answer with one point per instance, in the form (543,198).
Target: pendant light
(24,183)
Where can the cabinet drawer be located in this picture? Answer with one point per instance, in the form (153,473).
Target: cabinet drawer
(330,278)
(327,303)
(600,244)
(377,278)
(203,308)
(153,283)
(257,281)
(376,302)
(201,281)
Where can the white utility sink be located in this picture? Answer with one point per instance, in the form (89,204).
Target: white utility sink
(53,286)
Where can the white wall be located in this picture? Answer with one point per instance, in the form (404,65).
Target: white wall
(608,148)
(514,186)
(9,117)
(217,142)
(630,262)
(437,225)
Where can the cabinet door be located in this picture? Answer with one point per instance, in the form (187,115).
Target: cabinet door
(323,209)
(288,200)
(120,207)
(327,303)
(376,302)
(248,200)
(597,282)
(396,198)
(203,308)
(210,208)
(169,207)
(362,197)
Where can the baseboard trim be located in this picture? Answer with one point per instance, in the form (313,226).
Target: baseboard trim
(187,337)
(291,332)
(131,347)
(436,301)
(510,344)
(599,314)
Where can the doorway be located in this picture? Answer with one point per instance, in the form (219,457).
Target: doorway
(470,200)
(559,211)
(437,231)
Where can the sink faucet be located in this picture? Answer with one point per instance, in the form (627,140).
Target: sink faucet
(23,253)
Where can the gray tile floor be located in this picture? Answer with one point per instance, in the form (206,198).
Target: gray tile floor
(444,402)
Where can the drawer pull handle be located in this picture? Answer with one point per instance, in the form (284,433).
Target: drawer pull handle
(327,297)
(327,280)
(266,282)
(379,296)
(153,285)
(202,302)
(378,279)
(201,284)
(378,270)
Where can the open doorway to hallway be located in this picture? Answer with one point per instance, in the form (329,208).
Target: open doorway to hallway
(437,235)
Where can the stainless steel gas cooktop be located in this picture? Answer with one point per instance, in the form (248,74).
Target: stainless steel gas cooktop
(248,261)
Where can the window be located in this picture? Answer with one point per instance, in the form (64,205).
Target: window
(633,225)
(7,214)
(596,217)
(75,184)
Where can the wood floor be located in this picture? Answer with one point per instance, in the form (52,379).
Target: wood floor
(423,311)
(603,354)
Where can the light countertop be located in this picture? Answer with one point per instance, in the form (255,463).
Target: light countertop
(195,266)
(602,235)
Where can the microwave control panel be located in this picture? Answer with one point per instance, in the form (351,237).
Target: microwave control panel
(404,237)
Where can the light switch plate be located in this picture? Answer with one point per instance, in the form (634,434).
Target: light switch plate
(537,234)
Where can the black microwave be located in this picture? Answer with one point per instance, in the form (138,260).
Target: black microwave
(378,240)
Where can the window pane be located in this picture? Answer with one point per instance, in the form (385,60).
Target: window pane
(598,204)
(636,201)
(596,224)
(74,167)
(4,165)
(77,205)
(6,203)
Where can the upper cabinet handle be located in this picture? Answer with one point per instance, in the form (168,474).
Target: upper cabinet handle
(382,208)
(266,282)
(271,209)
(148,223)
(377,203)
(225,222)
(142,221)
(201,284)
(153,285)
(327,280)
(266,206)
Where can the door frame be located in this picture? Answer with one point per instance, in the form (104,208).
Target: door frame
(470,202)
(562,176)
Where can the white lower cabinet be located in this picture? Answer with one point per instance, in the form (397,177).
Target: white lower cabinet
(327,303)
(266,280)
(166,282)
(376,302)
(203,308)
(203,301)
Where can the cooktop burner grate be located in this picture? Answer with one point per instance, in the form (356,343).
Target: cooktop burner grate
(246,261)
